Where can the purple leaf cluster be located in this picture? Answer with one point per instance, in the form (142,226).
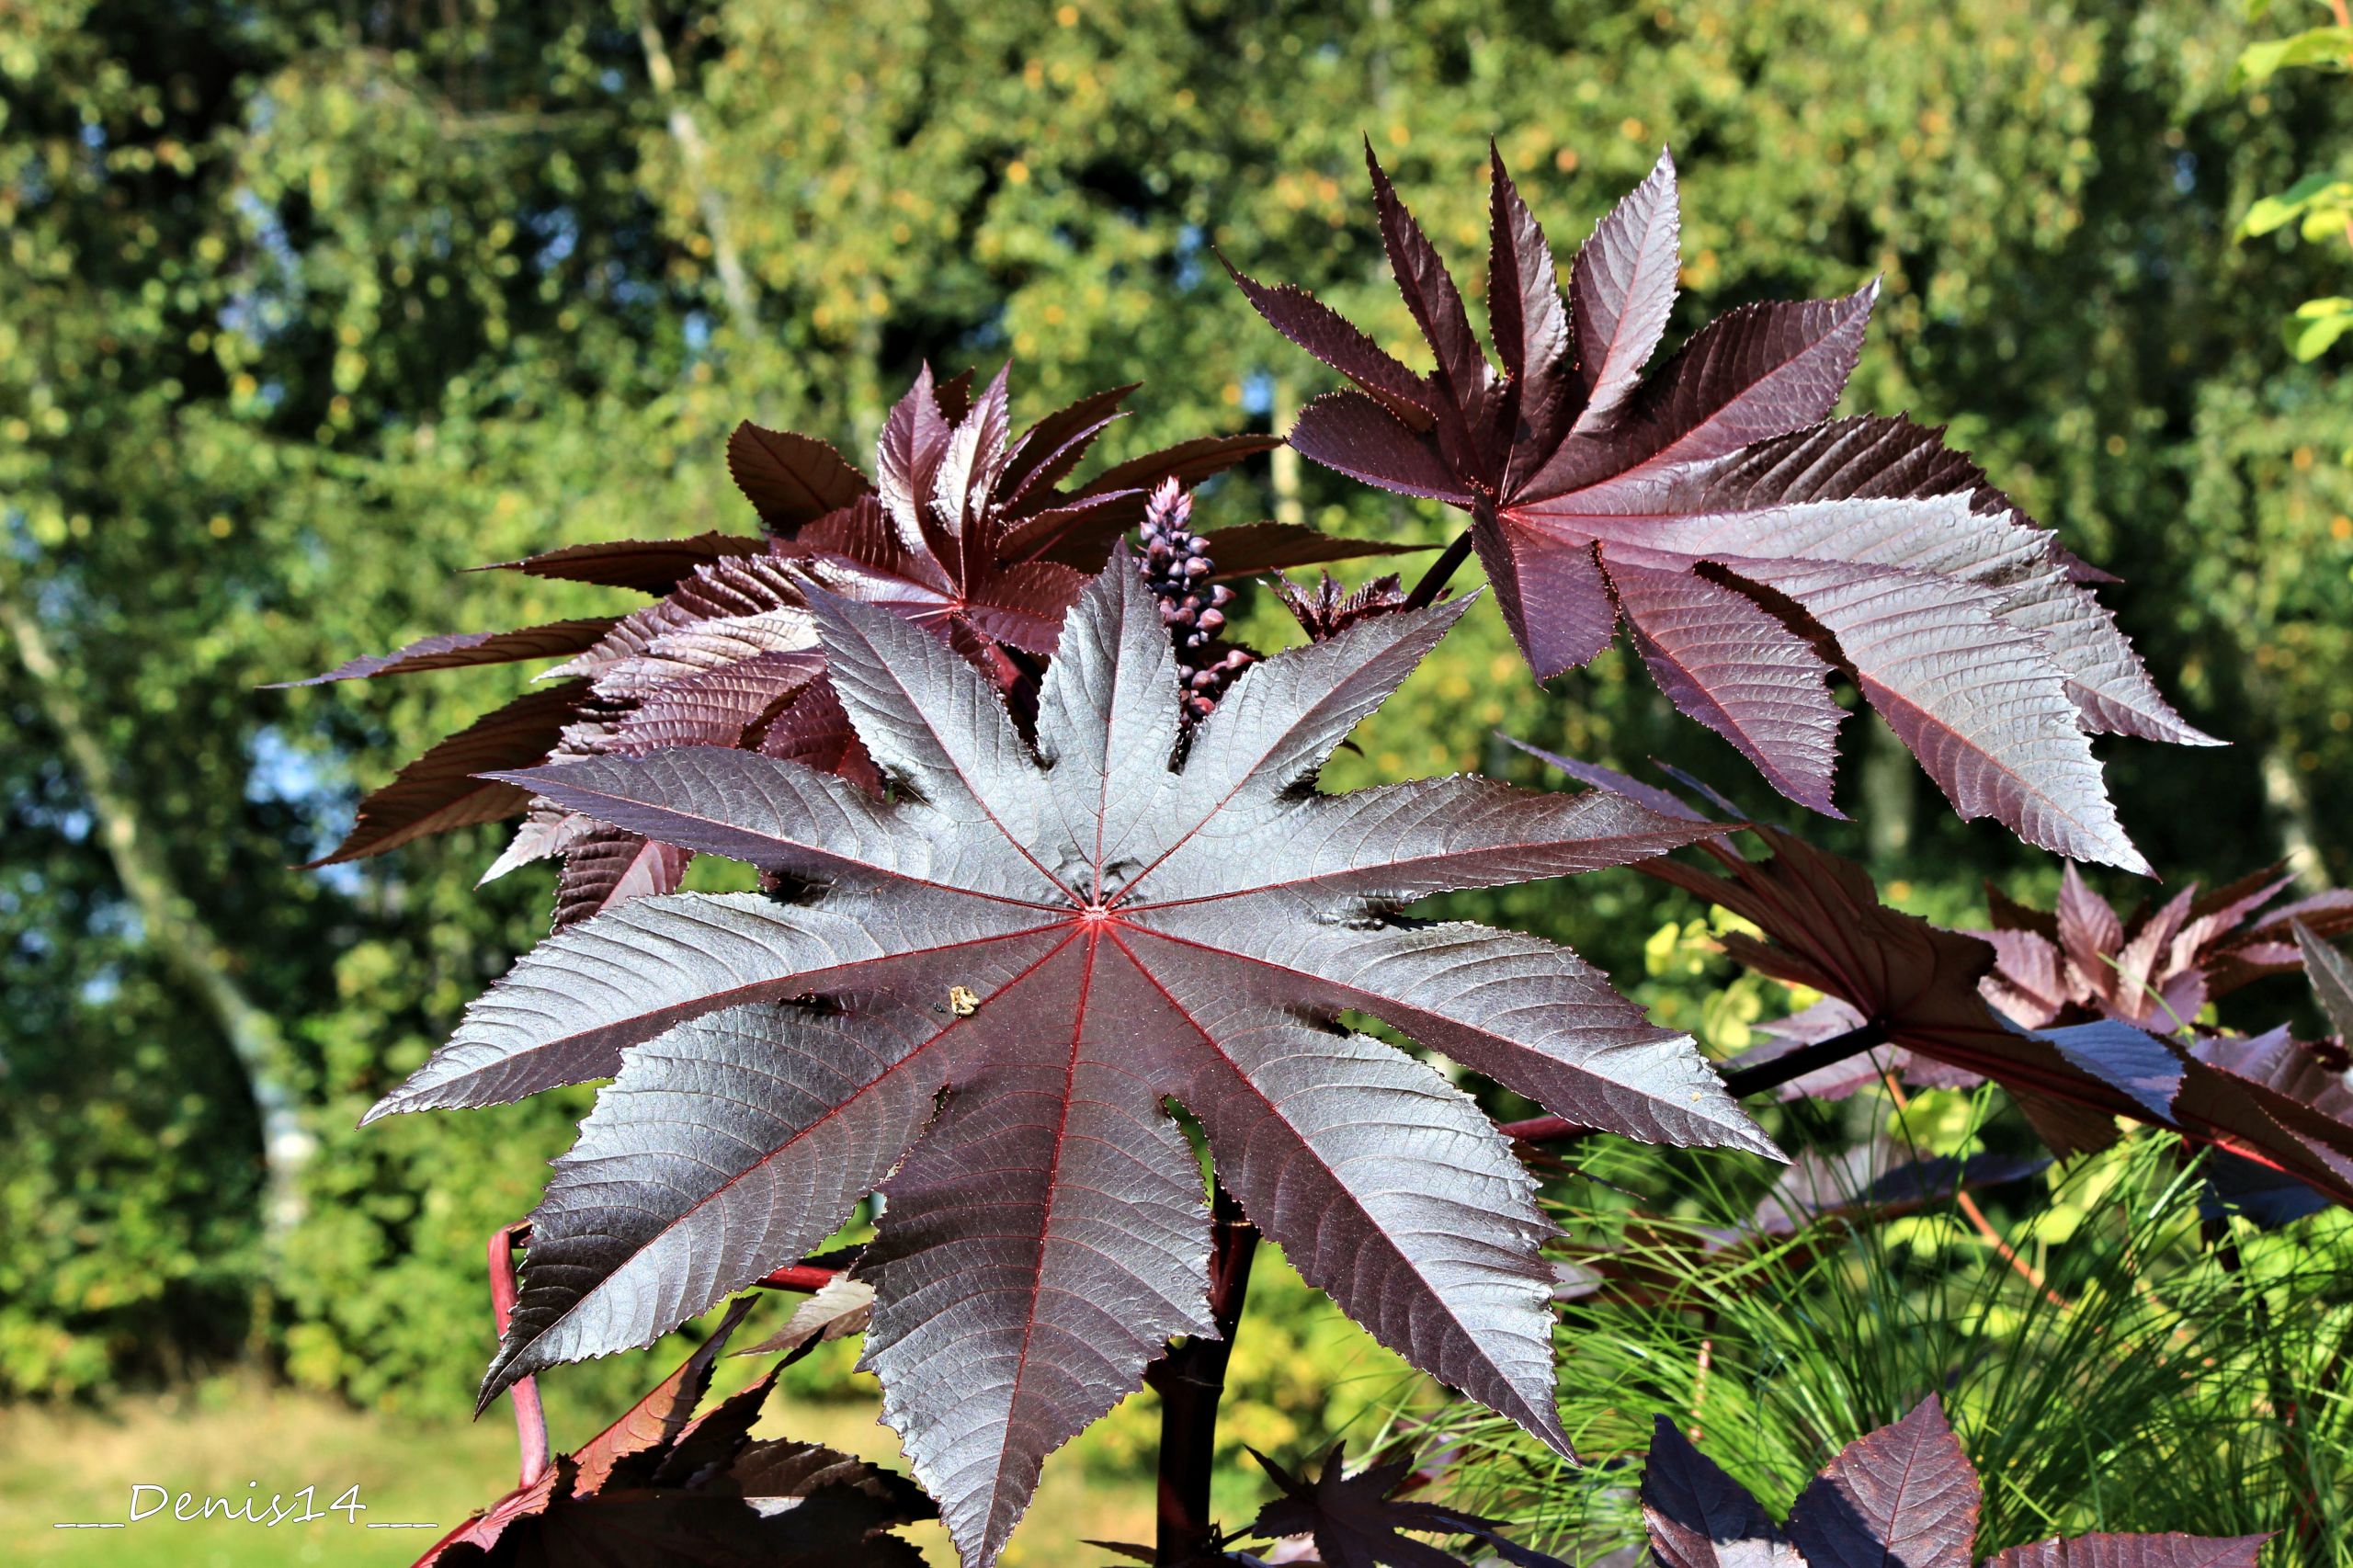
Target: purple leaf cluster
(996,981)
(1363,1520)
(966,528)
(1749,542)
(668,1487)
(2157,969)
(1905,1496)
(1925,990)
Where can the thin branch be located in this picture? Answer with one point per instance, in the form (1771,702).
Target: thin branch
(530,1420)
(1984,1227)
(1425,592)
(173,926)
(694,157)
(810,1276)
(1739,1083)
(2009,1254)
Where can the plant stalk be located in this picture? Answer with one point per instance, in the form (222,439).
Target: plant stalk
(1739,1085)
(1425,592)
(530,1420)
(1191,1380)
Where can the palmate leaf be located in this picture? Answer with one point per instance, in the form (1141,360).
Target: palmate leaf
(967,532)
(1905,1496)
(1750,544)
(664,1487)
(992,985)
(2082,960)
(1361,1520)
(2268,1100)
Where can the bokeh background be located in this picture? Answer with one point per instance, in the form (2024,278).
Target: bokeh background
(305,307)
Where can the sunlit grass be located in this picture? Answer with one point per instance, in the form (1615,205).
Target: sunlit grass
(2150,1386)
(80,1465)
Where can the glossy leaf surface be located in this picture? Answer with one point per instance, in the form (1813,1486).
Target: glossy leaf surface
(993,985)
(1750,544)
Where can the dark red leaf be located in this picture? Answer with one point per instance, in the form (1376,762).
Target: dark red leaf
(1187,463)
(1622,289)
(606,867)
(1049,449)
(1556,601)
(2135,1551)
(907,458)
(719,707)
(1358,1521)
(1329,608)
(1723,659)
(1753,374)
(664,1488)
(1253,550)
(651,566)
(1905,1496)
(1463,376)
(2265,1099)
(459,650)
(790,478)
(1863,544)
(2332,979)
(1524,312)
(1331,337)
(1700,1517)
(654,1425)
(1085,940)
(815,731)
(2084,962)
(440,791)
(1349,433)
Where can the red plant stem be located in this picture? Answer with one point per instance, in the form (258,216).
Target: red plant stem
(2009,1254)
(530,1420)
(1739,1083)
(1191,1380)
(1426,591)
(810,1277)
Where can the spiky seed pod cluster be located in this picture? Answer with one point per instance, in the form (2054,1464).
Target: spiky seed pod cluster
(1176,564)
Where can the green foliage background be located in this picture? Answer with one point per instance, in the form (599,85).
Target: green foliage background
(308,306)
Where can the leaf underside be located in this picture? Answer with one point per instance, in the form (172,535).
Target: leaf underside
(1750,544)
(999,980)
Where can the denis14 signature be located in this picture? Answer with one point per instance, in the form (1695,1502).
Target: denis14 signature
(150,1501)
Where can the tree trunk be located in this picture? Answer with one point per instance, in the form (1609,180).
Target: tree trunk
(694,156)
(174,929)
(2291,808)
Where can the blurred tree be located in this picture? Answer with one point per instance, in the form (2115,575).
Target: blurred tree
(314,303)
